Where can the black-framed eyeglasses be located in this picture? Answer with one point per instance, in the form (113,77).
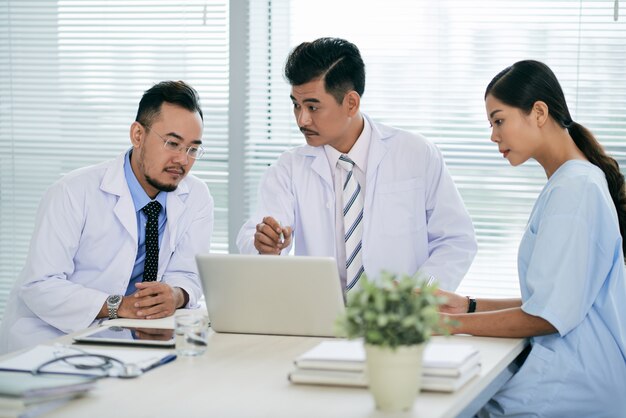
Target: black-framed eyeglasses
(174,145)
(98,365)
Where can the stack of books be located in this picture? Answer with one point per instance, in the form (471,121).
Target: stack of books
(445,367)
(24,395)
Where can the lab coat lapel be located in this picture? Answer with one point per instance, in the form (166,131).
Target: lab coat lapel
(378,149)
(175,208)
(114,182)
(320,164)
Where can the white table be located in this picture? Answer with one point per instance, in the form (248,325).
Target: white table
(246,376)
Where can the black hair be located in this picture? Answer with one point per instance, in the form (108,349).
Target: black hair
(337,61)
(526,82)
(175,92)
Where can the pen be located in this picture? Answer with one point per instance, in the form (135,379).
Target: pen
(281,237)
(164,360)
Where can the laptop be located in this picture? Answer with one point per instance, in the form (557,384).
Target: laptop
(264,294)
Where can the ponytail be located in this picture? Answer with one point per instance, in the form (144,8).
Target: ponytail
(595,153)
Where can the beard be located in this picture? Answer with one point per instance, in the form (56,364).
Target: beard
(163,187)
(160,186)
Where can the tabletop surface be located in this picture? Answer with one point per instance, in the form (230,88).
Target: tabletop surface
(246,376)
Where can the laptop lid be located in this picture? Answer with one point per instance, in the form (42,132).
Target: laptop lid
(282,295)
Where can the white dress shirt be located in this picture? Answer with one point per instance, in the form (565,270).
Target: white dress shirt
(358,154)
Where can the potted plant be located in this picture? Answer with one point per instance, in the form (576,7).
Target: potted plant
(395,318)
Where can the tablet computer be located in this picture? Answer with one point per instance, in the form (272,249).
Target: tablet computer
(158,337)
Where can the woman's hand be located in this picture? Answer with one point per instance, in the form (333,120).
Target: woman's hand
(454,304)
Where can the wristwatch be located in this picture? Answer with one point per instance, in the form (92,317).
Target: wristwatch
(113,303)
(471,304)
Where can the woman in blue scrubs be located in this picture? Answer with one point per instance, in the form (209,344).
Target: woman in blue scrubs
(570,261)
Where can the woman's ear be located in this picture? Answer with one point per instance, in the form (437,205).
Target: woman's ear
(540,112)
(136,133)
(353,102)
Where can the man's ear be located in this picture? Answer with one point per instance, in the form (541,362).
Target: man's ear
(136,133)
(540,112)
(353,102)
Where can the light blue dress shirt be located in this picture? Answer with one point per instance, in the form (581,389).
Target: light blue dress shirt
(571,271)
(141,199)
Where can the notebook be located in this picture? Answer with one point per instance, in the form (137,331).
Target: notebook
(263,294)
(445,368)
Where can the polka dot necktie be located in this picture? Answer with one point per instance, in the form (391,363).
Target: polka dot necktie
(151,263)
(353,222)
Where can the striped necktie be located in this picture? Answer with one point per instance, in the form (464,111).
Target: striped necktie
(352,222)
(151,262)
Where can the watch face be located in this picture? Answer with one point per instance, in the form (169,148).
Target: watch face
(114,299)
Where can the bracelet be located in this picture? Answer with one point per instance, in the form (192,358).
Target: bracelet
(471,307)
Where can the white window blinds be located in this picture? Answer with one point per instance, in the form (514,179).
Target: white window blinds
(427,65)
(72,74)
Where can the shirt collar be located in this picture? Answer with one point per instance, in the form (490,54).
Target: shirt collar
(139,195)
(359,150)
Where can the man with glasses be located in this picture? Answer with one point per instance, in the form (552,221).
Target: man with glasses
(118,239)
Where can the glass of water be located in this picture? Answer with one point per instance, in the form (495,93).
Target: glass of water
(191,333)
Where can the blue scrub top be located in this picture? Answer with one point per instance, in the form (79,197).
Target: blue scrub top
(571,271)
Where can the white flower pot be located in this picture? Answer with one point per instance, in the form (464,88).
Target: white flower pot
(394,375)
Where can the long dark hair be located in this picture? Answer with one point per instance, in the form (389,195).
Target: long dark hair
(526,82)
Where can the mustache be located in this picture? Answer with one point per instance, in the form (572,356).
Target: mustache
(179,168)
(307,131)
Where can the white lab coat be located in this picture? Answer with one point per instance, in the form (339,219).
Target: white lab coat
(84,247)
(413,215)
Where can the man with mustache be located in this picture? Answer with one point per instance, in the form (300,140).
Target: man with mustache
(374,197)
(118,239)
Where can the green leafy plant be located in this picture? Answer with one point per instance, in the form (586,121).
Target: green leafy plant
(395,312)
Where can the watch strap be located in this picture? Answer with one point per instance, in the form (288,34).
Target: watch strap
(471,307)
(113,307)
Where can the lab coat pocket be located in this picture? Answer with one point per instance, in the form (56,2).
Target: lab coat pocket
(401,206)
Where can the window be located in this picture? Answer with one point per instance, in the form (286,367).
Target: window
(73,72)
(427,65)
